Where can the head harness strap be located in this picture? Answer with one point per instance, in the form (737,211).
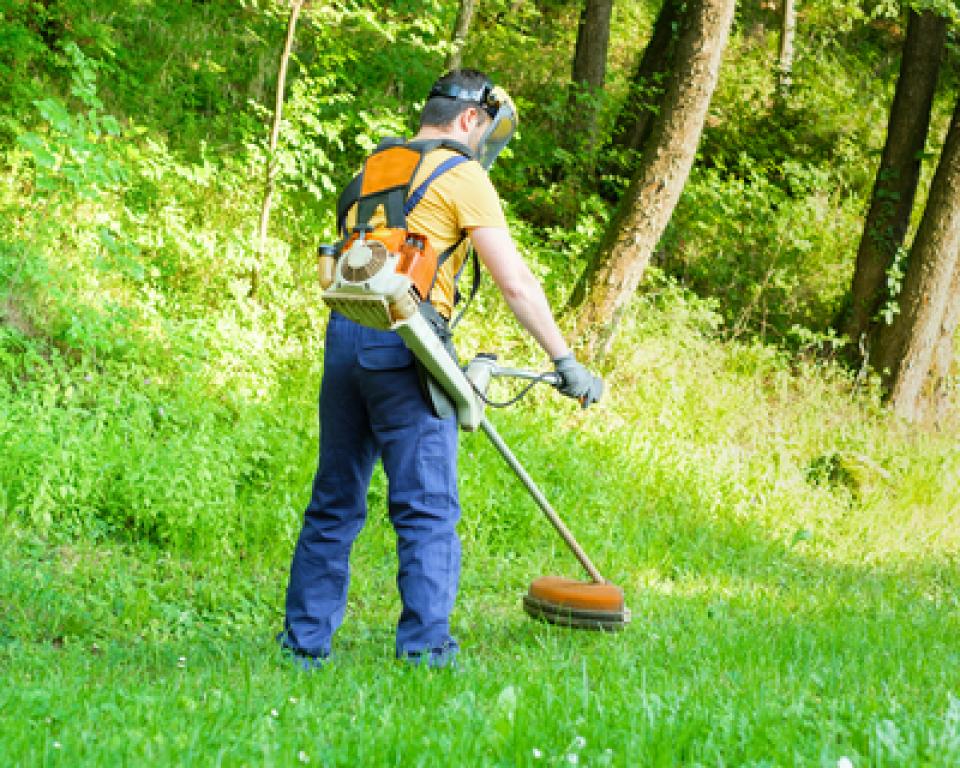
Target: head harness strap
(482,96)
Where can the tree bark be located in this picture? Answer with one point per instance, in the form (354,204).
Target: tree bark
(896,183)
(646,207)
(941,372)
(271,171)
(589,68)
(461,28)
(635,119)
(905,349)
(593,38)
(788,23)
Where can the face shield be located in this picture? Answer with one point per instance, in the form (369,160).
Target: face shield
(503,125)
(498,105)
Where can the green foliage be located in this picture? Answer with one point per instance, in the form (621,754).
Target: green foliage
(742,495)
(768,251)
(111,451)
(772,215)
(895,274)
(134,247)
(78,150)
(23,55)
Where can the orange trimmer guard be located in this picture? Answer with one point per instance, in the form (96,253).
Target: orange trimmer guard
(571,603)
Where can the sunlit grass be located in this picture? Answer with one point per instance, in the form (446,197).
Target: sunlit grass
(790,558)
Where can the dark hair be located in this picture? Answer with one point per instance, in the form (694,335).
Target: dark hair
(440,111)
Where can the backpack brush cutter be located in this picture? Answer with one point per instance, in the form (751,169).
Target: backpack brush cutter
(374,285)
(588,605)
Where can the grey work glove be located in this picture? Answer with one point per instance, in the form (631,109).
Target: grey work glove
(577,381)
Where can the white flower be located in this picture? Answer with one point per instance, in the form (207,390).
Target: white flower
(303,757)
(579,742)
(844,762)
(274,713)
(292,699)
(507,701)
(57,745)
(537,754)
(573,758)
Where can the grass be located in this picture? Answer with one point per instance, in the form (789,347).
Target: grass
(171,663)
(790,558)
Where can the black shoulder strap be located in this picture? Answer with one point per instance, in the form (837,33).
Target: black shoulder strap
(351,192)
(390,141)
(350,195)
(448,252)
(392,202)
(474,287)
(442,259)
(428,145)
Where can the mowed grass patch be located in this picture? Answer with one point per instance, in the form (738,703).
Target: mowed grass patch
(821,665)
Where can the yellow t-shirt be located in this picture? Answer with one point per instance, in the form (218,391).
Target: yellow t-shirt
(456,201)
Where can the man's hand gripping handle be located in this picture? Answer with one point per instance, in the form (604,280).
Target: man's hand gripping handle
(576,381)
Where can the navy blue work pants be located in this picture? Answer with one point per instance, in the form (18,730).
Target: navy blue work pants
(371,406)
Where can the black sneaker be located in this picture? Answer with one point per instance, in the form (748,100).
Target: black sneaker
(444,657)
(299,658)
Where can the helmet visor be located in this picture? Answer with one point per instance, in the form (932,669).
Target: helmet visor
(501,129)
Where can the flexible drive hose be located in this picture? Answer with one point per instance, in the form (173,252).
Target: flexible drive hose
(523,392)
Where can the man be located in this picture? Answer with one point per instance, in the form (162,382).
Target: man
(372,404)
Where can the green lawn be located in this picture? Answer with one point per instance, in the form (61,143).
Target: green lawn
(790,552)
(114,656)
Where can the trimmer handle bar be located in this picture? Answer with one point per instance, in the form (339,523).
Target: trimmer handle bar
(550,377)
(483,368)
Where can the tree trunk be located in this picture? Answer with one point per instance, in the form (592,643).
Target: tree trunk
(271,172)
(589,69)
(941,373)
(905,349)
(892,201)
(593,37)
(647,205)
(635,120)
(788,22)
(460,30)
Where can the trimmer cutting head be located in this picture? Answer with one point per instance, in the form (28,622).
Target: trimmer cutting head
(578,604)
